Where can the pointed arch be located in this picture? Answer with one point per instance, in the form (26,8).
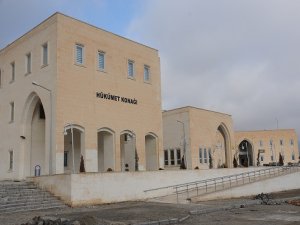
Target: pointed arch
(151,151)
(34,127)
(106,149)
(222,128)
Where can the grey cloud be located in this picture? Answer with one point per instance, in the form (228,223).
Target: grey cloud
(238,57)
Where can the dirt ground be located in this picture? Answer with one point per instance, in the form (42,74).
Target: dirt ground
(242,211)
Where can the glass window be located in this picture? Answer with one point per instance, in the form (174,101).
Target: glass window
(200,155)
(130,68)
(292,142)
(101,60)
(66,154)
(12,111)
(272,158)
(166,158)
(261,143)
(178,156)
(146,73)
(13,71)
(293,156)
(79,54)
(271,142)
(172,156)
(11,160)
(45,54)
(205,156)
(281,142)
(28,63)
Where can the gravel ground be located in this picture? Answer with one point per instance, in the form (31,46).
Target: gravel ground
(233,211)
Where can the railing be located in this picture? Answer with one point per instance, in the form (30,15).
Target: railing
(192,189)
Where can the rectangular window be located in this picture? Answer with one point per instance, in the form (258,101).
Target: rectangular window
(200,155)
(28,63)
(178,156)
(13,71)
(11,160)
(12,111)
(271,142)
(261,158)
(281,142)
(79,54)
(45,54)
(261,143)
(293,156)
(130,68)
(272,158)
(172,156)
(166,157)
(146,73)
(292,142)
(66,154)
(205,156)
(101,60)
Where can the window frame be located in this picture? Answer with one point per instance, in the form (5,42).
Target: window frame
(147,68)
(129,75)
(281,142)
(79,46)
(12,111)
(45,56)
(292,142)
(205,155)
(200,156)
(11,160)
(13,71)
(101,53)
(28,63)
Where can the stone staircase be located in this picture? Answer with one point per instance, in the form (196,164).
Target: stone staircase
(25,196)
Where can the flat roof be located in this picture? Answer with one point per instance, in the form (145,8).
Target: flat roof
(193,107)
(59,13)
(271,130)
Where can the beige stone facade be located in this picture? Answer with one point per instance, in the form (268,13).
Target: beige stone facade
(69,89)
(205,138)
(264,146)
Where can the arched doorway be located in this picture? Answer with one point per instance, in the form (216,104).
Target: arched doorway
(129,157)
(106,150)
(222,151)
(245,153)
(34,135)
(73,147)
(151,152)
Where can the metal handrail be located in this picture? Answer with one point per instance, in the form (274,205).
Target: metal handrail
(223,182)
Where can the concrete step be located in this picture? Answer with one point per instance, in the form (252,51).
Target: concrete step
(25,196)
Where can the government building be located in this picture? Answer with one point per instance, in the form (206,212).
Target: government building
(265,147)
(75,97)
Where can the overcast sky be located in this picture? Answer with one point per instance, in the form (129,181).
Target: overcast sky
(232,56)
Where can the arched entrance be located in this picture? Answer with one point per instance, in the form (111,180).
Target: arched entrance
(129,157)
(73,147)
(106,150)
(151,152)
(222,151)
(245,153)
(34,135)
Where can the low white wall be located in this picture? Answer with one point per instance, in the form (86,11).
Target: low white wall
(281,183)
(59,185)
(95,188)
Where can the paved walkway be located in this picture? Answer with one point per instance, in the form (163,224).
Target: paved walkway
(234,211)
